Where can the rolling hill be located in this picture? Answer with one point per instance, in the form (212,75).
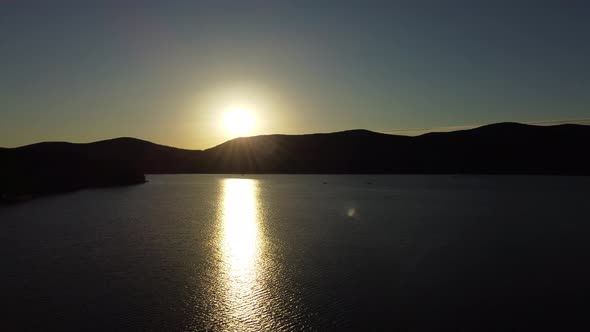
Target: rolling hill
(503,148)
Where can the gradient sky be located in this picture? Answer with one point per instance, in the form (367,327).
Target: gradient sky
(163,70)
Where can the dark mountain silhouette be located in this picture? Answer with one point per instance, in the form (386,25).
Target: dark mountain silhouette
(503,148)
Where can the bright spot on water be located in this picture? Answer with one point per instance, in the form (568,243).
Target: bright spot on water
(241,256)
(240,226)
(351,212)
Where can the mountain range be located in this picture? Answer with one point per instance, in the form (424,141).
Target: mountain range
(502,148)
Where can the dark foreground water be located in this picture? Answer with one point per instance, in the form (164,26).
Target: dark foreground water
(287,252)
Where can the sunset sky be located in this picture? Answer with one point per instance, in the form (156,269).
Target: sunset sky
(170,71)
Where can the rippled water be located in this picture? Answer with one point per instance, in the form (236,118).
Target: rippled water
(295,252)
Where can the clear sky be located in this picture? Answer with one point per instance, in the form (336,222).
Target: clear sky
(166,71)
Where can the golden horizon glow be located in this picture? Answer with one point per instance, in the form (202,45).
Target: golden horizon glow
(239,120)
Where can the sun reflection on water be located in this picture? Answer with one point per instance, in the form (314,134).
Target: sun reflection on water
(241,248)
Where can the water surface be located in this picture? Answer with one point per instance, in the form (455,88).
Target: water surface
(299,252)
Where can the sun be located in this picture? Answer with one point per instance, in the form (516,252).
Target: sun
(239,120)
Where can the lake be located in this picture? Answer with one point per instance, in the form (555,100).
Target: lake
(300,252)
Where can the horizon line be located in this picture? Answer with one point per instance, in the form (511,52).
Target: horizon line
(420,131)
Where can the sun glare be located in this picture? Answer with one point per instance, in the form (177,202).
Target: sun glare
(239,121)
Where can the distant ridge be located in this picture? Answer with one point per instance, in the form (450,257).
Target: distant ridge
(501,148)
